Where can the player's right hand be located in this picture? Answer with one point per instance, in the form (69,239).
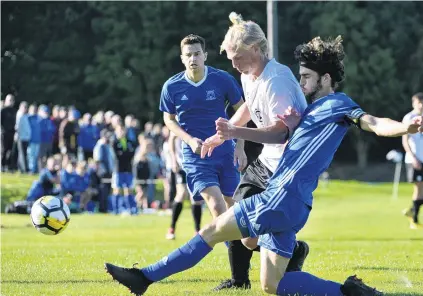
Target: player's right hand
(291,118)
(209,145)
(195,144)
(416,125)
(417,165)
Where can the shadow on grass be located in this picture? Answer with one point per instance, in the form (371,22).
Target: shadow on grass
(42,282)
(365,239)
(403,294)
(73,281)
(387,268)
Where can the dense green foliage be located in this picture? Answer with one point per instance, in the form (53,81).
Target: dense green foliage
(116,55)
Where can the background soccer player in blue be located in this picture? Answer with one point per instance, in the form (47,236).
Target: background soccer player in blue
(191,101)
(278,213)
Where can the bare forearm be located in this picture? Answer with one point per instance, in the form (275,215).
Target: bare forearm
(172,142)
(174,127)
(241,116)
(267,135)
(387,127)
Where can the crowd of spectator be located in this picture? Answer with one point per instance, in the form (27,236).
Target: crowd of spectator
(86,160)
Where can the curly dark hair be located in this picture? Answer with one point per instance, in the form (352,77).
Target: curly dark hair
(323,56)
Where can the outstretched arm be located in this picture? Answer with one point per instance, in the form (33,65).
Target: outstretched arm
(277,133)
(387,127)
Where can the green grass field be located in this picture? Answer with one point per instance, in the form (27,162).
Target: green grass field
(354,228)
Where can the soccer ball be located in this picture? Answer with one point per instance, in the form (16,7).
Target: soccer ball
(50,215)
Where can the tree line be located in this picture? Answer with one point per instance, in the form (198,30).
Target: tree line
(116,55)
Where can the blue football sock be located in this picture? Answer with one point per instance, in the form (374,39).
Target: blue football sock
(300,283)
(126,202)
(115,203)
(179,260)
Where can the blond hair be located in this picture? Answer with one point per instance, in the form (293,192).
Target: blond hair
(244,34)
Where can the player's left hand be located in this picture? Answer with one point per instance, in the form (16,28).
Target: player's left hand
(416,125)
(225,129)
(291,118)
(240,158)
(209,144)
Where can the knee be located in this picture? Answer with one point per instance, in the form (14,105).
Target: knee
(269,286)
(211,232)
(249,243)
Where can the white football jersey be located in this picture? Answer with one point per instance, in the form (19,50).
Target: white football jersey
(270,94)
(415,140)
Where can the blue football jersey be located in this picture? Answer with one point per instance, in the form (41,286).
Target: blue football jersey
(199,105)
(311,148)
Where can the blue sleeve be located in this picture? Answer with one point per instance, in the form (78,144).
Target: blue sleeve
(347,111)
(79,137)
(167,103)
(234,90)
(64,182)
(43,176)
(46,175)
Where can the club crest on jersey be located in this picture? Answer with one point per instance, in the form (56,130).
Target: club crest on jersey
(210,95)
(258,115)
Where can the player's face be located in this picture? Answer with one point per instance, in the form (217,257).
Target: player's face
(242,59)
(310,83)
(417,105)
(193,57)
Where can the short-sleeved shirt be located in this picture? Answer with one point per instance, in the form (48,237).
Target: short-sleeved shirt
(415,140)
(267,96)
(198,105)
(311,148)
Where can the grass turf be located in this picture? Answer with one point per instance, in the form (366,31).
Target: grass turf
(354,228)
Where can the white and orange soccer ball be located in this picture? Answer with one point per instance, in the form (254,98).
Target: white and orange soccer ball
(50,215)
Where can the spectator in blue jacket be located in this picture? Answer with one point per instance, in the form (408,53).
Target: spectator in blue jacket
(48,130)
(131,133)
(34,142)
(88,136)
(103,154)
(23,136)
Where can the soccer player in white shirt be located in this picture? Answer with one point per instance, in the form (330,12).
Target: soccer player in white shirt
(269,89)
(413,146)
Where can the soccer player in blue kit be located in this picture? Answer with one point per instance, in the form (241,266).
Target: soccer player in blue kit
(191,101)
(278,213)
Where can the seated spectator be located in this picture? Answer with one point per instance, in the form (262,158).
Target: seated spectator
(92,194)
(73,183)
(46,183)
